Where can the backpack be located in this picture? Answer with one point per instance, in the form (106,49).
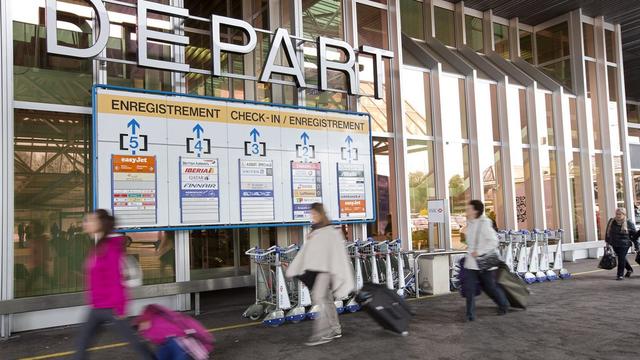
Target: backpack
(192,337)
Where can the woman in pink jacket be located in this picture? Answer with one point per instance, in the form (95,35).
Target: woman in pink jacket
(106,291)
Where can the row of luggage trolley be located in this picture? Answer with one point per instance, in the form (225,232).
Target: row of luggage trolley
(529,254)
(279,300)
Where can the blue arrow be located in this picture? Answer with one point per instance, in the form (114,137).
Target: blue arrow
(198,130)
(304,137)
(133,124)
(348,140)
(255,134)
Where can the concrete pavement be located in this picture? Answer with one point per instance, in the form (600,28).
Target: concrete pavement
(591,316)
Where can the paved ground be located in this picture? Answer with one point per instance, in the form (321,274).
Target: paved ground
(589,317)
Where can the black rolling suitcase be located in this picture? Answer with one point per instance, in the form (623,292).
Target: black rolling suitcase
(386,308)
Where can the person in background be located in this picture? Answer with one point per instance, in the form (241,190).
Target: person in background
(106,292)
(21,234)
(481,240)
(324,258)
(388,229)
(39,277)
(621,234)
(167,252)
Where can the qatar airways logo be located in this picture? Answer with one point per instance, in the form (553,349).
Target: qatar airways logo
(281,40)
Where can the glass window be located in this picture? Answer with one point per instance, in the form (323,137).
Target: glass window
(501,39)
(524,197)
(212,253)
(156,254)
(553,42)
(524,122)
(416,95)
(385,183)
(550,179)
(123,45)
(41,77)
(322,18)
(422,188)
(588,40)
(473,29)
(619,177)
(610,41)
(52,193)
(612,78)
(592,103)
(526,46)
(560,71)
(549,119)
(454,108)
(600,203)
(573,118)
(634,135)
(372,23)
(577,203)
(457,170)
(444,25)
(491,171)
(412,18)
(633,115)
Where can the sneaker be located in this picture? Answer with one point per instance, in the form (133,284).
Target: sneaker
(333,335)
(619,278)
(628,274)
(318,341)
(503,311)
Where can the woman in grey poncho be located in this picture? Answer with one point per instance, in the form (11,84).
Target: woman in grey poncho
(324,259)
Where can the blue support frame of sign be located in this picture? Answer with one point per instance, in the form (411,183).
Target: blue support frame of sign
(94,158)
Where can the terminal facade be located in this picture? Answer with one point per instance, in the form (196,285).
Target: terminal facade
(531,118)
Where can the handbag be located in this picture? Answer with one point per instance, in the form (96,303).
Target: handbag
(488,260)
(608,260)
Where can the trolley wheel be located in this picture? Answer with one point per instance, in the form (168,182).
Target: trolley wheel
(255,317)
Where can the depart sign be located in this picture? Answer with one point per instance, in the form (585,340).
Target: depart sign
(281,41)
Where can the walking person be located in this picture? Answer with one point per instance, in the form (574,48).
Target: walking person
(21,234)
(105,289)
(481,241)
(323,264)
(621,234)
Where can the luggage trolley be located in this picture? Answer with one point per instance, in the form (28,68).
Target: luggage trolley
(506,248)
(403,277)
(367,253)
(520,241)
(272,296)
(555,237)
(299,293)
(539,260)
(383,255)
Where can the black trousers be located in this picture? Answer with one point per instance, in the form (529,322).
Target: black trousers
(487,280)
(621,253)
(98,317)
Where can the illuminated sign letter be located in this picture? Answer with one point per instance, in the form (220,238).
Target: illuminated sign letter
(346,67)
(378,66)
(217,45)
(145,34)
(52,32)
(282,37)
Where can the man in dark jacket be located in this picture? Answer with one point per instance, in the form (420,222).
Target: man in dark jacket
(621,234)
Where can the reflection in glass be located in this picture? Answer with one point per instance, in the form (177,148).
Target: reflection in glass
(411,16)
(444,26)
(573,117)
(526,46)
(612,78)
(473,28)
(609,39)
(560,71)
(156,254)
(588,40)
(421,170)
(212,253)
(592,102)
(633,115)
(553,42)
(577,203)
(621,201)
(501,39)
(549,119)
(457,170)
(455,111)
(41,77)
(551,196)
(599,196)
(373,31)
(491,170)
(52,187)
(416,94)
(385,183)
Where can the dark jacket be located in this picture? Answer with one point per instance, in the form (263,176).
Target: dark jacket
(616,238)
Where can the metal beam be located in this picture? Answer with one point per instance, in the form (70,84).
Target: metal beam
(419,52)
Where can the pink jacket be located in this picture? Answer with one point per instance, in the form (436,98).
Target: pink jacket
(104,275)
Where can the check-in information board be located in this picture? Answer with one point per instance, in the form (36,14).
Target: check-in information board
(172,161)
